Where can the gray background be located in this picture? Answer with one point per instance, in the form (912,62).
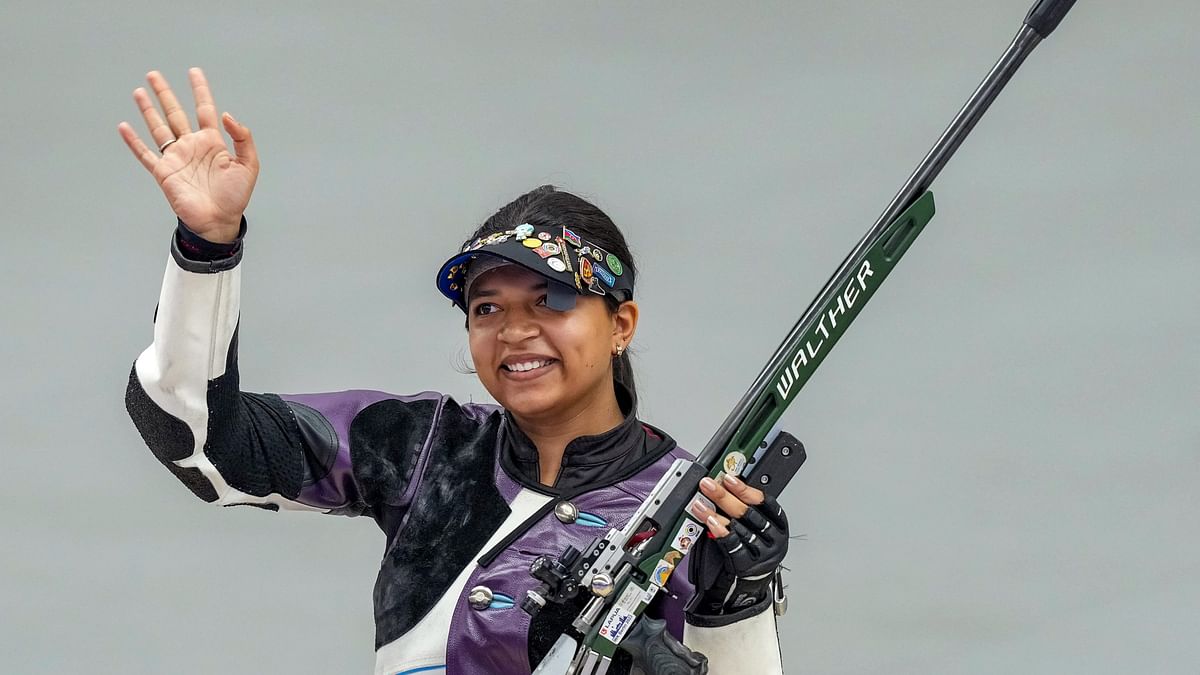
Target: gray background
(1003,450)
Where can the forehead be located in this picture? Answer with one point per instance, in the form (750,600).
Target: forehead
(508,278)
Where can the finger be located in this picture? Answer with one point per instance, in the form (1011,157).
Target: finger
(756,521)
(243,142)
(176,117)
(750,539)
(159,131)
(748,495)
(774,511)
(717,525)
(143,154)
(724,499)
(703,512)
(206,109)
(735,547)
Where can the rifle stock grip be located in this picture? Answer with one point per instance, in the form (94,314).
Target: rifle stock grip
(657,652)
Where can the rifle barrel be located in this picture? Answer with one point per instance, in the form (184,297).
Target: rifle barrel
(918,182)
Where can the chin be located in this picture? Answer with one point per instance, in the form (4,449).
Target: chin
(529,404)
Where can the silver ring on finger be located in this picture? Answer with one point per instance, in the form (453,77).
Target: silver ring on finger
(163,148)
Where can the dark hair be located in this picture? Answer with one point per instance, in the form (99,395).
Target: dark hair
(548,207)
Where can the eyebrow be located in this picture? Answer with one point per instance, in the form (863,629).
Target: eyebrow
(487,292)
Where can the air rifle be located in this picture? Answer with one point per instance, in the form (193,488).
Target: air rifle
(624,569)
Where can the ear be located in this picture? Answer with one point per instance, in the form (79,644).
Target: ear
(625,321)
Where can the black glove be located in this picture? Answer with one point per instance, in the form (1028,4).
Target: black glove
(734,574)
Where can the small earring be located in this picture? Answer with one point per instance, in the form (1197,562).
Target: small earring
(619,350)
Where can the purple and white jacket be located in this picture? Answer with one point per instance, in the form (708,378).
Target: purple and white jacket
(444,481)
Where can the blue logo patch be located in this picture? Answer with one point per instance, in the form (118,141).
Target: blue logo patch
(604,275)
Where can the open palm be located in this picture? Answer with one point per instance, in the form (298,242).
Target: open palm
(207,186)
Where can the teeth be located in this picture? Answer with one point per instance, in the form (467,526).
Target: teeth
(528,365)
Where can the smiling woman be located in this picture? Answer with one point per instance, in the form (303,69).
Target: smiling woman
(553,364)
(547,285)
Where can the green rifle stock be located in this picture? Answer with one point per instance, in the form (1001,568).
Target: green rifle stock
(632,573)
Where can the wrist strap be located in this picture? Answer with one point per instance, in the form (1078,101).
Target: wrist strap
(198,248)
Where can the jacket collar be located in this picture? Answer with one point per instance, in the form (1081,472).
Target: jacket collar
(588,461)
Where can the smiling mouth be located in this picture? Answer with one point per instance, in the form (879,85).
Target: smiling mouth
(527,366)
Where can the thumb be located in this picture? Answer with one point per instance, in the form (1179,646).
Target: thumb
(243,143)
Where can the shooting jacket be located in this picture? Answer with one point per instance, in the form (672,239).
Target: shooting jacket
(444,481)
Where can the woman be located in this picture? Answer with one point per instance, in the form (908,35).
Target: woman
(547,286)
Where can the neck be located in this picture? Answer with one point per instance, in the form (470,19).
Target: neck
(551,435)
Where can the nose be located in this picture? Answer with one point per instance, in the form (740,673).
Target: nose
(519,325)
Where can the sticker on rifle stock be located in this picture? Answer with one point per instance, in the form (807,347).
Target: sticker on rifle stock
(700,500)
(633,596)
(687,535)
(620,618)
(734,463)
(662,571)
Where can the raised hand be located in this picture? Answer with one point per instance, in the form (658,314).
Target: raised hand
(206,185)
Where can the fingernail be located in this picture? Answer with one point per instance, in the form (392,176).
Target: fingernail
(233,119)
(712,521)
(708,482)
(732,480)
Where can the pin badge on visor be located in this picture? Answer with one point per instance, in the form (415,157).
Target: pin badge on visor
(571,265)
